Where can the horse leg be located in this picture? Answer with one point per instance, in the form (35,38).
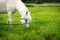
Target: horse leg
(9,17)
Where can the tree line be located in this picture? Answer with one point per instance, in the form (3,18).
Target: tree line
(41,1)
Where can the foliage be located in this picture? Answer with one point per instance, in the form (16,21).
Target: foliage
(40,1)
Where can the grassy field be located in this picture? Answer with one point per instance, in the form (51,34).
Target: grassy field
(45,25)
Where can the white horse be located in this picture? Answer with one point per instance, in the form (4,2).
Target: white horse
(12,5)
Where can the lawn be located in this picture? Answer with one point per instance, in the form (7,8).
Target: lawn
(45,25)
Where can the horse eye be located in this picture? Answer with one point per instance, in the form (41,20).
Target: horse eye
(26,13)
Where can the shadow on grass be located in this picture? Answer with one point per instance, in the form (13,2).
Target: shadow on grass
(9,24)
(3,37)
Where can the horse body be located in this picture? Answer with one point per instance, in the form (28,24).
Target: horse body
(2,6)
(6,5)
(12,5)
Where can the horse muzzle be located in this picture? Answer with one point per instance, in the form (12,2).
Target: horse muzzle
(25,22)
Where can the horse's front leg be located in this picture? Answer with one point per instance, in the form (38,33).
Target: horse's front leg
(9,17)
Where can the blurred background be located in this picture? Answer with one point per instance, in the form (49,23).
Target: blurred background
(41,1)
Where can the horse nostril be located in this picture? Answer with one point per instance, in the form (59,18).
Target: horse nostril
(26,20)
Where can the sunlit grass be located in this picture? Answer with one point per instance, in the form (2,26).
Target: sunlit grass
(45,22)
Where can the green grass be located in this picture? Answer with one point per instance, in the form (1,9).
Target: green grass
(45,25)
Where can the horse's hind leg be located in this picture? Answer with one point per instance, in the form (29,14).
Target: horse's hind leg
(9,17)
